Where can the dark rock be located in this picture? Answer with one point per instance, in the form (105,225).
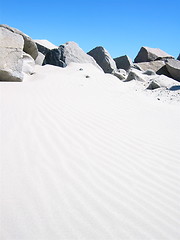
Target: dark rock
(178,57)
(54,57)
(42,49)
(147,54)
(123,62)
(103,59)
(153,85)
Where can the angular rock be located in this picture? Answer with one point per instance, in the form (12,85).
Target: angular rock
(138,75)
(29,45)
(44,46)
(11,55)
(158,66)
(178,57)
(28,64)
(103,59)
(40,59)
(173,66)
(54,57)
(71,52)
(123,62)
(153,85)
(147,54)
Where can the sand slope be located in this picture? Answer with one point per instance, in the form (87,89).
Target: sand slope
(87,159)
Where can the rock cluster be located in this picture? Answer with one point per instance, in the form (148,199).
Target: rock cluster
(67,53)
(19,54)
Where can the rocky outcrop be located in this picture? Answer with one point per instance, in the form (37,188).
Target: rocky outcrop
(158,66)
(11,55)
(29,45)
(123,62)
(103,59)
(68,53)
(147,54)
(173,66)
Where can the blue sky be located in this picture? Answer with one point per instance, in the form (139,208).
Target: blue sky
(122,27)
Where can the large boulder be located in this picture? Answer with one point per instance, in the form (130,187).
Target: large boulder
(11,55)
(103,59)
(123,62)
(158,66)
(173,66)
(29,45)
(68,53)
(147,54)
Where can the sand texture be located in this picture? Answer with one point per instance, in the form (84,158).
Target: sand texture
(83,156)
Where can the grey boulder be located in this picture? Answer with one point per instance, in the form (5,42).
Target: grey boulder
(71,52)
(11,55)
(29,45)
(173,66)
(159,67)
(147,54)
(103,59)
(123,62)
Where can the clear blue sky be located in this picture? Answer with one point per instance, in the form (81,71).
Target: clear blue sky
(122,27)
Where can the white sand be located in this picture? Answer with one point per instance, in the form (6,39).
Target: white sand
(87,159)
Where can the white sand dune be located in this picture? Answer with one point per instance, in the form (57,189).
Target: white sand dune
(87,159)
